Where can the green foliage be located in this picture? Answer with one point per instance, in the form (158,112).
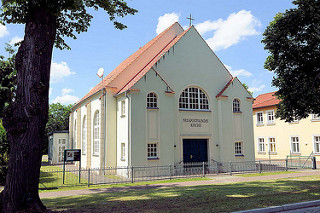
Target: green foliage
(58,119)
(292,40)
(71,15)
(4,153)
(7,78)
(246,87)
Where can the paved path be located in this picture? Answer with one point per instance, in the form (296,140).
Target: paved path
(217,179)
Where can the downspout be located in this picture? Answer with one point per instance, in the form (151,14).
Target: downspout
(105,128)
(129,129)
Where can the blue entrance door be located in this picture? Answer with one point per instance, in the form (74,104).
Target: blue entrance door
(195,150)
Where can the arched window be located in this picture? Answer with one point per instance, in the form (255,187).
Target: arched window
(96,133)
(75,135)
(152,100)
(193,98)
(84,135)
(236,105)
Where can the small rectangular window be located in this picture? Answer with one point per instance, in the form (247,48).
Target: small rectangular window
(261,146)
(152,151)
(123,108)
(238,148)
(123,151)
(316,140)
(272,145)
(259,118)
(295,145)
(270,117)
(315,117)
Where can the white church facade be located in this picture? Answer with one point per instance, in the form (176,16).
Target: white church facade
(170,102)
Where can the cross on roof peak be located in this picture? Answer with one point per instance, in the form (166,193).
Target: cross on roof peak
(190,19)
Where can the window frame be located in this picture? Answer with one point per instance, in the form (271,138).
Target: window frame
(297,146)
(263,145)
(123,151)
(257,119)
(238,150)
(84,135)
(96,133)
(270,121)
(236,107)
(314,144)
(123,108)
(196,100)
(152,102)
(152,154)
(315,117)
(272,144)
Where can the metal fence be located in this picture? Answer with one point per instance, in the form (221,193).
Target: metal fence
(114,175)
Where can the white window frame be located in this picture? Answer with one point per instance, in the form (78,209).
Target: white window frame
(236,105)
(315,142)
(96,133)
(295,145)
(238,148)
(259,123)
(152,100)
(272,144)
(84,135)
(123,108)
(152,151)
(193,98)
(272,120)
(123,151)
(261,145)
(315,117)
(61,147)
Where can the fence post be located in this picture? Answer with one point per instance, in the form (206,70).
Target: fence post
(89,177)
(314,163)
(203,170)
(170,171)
(131,174)
(230,167)
(286,164)
(260,166)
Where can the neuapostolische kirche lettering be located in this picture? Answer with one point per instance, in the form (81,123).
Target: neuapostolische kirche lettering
(195,122)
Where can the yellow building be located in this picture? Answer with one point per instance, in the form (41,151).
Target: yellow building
(276,139)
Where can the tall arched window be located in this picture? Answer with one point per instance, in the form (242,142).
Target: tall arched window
(84,135)
(96,133)
(152,100)
(193,98)
(75,135)
(236,105)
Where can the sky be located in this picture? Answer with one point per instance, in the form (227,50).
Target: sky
(232,28)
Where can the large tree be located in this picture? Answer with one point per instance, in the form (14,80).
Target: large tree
(47,22)
(293,42)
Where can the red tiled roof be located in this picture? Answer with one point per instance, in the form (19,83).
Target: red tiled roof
(126,63)
(264,100)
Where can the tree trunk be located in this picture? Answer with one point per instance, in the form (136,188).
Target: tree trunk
(25,120)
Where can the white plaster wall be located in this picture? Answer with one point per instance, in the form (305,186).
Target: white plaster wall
(55,148)
(73,144)
(122,131)
(111,130)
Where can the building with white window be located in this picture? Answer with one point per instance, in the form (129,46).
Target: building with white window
(58,142)
(276,139)
(170,102)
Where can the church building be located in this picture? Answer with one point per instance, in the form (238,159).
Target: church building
(172,101)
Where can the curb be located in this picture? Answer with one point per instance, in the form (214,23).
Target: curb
(285,207)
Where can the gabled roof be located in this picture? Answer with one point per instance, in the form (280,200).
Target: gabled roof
(265,100)
(169,37)
(220,94)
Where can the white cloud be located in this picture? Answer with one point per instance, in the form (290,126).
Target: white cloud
(230,31)
(15,40)
(166,21)
(59,71)
(66,99)
(66,91)
(240,72)
(257,89)
(3,31)
(50,91)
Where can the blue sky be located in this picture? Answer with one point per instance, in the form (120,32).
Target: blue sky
(232,28)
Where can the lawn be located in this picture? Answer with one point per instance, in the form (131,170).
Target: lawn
(210,198)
